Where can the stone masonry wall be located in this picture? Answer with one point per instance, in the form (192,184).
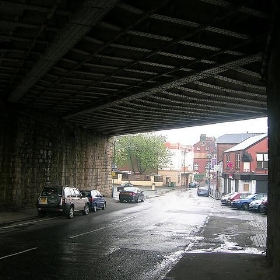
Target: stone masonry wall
(36,149)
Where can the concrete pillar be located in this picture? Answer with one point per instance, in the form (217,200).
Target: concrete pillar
(273,102)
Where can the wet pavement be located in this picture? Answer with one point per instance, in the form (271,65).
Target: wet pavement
(229,245)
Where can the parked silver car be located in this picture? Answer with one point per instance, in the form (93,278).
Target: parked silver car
(225,197)
(255,205)
(203,191)
(63,200)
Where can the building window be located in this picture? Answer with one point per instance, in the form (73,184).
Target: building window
(227,157)
(246,166)
(198,148)
(237,161)
(228,162)
(195,167)
(262,161)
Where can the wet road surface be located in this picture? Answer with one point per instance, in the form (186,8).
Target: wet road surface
(127,241)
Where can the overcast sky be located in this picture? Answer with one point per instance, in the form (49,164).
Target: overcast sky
(191,135)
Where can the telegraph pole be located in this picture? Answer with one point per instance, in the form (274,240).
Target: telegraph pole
(209,169)
(185,177)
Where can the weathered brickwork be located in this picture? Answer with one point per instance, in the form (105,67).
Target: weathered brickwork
(37,149)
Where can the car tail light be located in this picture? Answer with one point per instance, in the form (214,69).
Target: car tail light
(91,199)
(132,193)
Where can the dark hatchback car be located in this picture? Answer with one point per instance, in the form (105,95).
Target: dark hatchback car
(124,185)
(96,199)
(131,194)
(193,185)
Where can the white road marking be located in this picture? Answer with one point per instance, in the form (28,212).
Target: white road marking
(84,233)
(22,252)
(88,232)
(27,223)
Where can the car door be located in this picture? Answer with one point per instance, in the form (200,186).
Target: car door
(78,200)
(142,196)
(138,194)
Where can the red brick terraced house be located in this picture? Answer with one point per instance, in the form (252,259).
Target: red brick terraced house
(245,166)
(228,141)
(204,159)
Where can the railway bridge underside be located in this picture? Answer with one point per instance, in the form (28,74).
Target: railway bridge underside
(76,73)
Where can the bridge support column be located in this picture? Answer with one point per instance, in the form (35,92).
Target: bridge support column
(273,92)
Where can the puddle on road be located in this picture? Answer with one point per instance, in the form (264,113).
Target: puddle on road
(221,244)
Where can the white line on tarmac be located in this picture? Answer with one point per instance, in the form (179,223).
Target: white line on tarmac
(25,251)
(88,232)
(27,223)
(84,233)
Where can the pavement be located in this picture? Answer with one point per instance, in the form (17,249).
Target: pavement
(193,265)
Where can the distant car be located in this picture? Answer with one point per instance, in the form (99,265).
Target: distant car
(202,191)
(236,195)
(63,200)
(124,185)
(244,202)
(256,204)
(193,184)
(131,194)
(96,199)
(225,198)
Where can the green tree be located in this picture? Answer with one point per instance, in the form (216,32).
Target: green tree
(141,152)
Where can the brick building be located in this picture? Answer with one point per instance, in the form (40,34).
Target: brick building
(204,158)
(245,166)
(228,141)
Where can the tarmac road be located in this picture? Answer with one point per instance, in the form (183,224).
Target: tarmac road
(174,236)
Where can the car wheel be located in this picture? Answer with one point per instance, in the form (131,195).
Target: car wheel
(104,206)
(94,208)
(86,210)
(41,214)
(245,206)
(70,214)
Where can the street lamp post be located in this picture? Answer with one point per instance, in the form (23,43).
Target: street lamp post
(113,169)
(185,178)
(209,169)
(209,175)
